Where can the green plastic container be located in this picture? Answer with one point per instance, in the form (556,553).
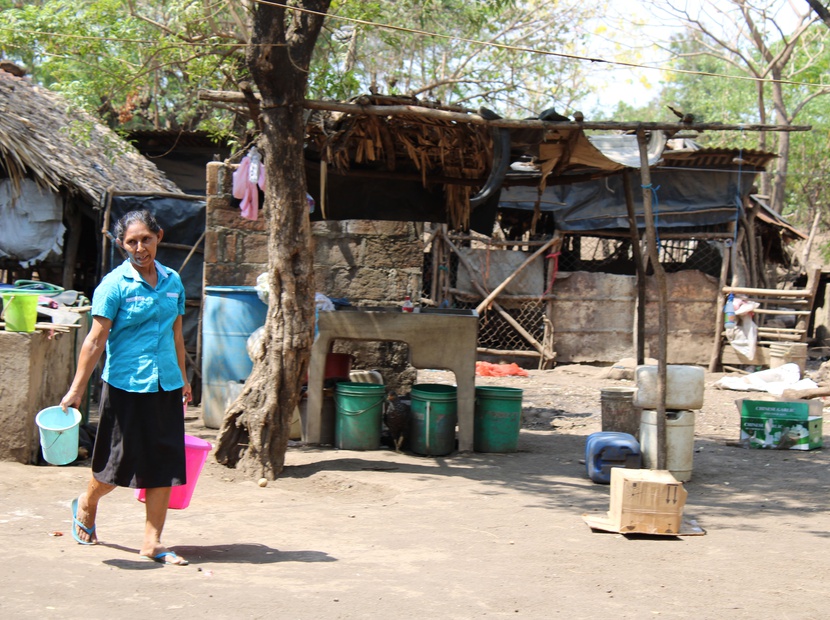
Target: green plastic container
(358,415)
(498,418)
(433,420)
(20,311)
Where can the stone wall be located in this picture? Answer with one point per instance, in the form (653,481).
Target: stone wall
(369,263)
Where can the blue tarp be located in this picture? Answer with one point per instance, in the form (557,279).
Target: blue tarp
(684,198)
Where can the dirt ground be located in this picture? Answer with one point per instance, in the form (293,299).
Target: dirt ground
(345,534)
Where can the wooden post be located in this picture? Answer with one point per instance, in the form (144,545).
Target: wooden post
(74,219)
(717,345)
(640,267)
(662,299)
(443,266)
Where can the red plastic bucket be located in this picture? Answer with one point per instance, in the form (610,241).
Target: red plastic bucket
(196,452)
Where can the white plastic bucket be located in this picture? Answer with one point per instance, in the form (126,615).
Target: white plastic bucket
(59,434)
(781,353)
(680,442)
(684,387)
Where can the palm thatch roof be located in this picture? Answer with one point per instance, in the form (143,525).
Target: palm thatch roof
(63,148)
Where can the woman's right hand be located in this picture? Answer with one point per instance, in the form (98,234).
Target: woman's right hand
(71,399)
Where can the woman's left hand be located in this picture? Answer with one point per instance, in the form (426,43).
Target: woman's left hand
(187,393)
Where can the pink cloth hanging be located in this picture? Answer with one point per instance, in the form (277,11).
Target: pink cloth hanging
(245,189)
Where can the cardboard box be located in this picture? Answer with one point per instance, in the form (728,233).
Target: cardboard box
(781,424)
(644,501)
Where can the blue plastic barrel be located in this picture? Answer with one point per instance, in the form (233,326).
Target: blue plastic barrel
(607,449)
(231,314)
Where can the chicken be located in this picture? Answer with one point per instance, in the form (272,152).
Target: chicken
(396,417)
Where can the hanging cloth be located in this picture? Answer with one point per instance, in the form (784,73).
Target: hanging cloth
(246,179)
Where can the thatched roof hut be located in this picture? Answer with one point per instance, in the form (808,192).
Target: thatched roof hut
(62,148)
(58,168)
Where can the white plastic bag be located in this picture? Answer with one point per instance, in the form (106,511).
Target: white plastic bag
(744,336)
(323,303)
(254,344)
(771,380)
(262,287)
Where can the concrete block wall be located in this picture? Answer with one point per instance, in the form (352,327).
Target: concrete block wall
(236,249)
(370,263)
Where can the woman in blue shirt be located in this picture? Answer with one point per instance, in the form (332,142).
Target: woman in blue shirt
(137,314)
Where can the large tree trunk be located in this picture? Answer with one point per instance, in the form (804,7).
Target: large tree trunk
(254,433)
(782,118)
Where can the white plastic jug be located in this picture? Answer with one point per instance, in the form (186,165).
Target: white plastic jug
(684,387)
(680,442)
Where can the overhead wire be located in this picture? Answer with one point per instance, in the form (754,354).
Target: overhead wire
(415,31)
(505,46)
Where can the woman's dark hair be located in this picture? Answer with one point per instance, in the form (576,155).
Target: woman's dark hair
(143,216)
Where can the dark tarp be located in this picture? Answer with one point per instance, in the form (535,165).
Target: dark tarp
(355,197)
(683,198)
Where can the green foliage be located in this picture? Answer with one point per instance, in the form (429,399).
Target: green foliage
(452,67)
(714,99)
(140,63)
(135,64)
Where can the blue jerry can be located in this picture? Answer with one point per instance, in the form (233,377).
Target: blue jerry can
(604,450)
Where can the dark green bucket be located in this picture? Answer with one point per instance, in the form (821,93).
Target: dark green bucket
(498,418)
(359,413)
(433,419)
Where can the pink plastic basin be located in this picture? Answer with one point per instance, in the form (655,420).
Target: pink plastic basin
(195,451)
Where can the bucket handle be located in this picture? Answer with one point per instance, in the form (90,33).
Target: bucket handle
(58,435)
(5,306)
(372,406)
(428,426)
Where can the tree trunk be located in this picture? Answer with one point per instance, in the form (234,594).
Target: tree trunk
(254,433)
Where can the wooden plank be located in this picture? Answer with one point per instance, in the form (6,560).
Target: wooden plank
(783,312)
(48,327)
(507,353)
(740,290)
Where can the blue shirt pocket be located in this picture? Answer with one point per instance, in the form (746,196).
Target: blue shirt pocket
(138,308)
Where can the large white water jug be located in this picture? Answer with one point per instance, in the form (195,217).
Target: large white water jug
(684,387)
(680,442)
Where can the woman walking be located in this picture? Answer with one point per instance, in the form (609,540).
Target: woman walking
(137,314)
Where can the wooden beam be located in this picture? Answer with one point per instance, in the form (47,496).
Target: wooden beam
(766,292)
(717,346)
(640,267)
(662,299)
(473,118)
(508,353)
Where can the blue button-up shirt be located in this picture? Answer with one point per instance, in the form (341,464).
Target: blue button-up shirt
(141,349)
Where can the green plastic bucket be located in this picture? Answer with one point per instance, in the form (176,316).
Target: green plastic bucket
(498,418)
(433,419)
(59,434)
(20,311)
(358,415)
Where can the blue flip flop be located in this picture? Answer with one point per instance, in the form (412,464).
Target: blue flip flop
(77,524)
(161,558)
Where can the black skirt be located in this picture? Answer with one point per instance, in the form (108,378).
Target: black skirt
(140,439)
